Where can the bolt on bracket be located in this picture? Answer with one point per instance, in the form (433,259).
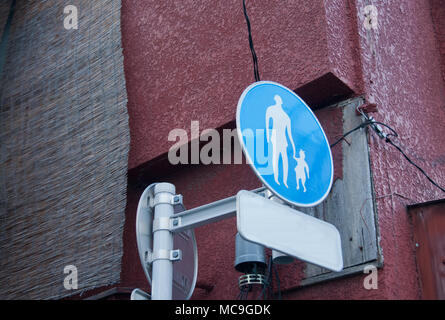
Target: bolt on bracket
(172,255)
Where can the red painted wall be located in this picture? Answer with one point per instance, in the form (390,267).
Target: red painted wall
(404,80)
(438,13)
(190,60)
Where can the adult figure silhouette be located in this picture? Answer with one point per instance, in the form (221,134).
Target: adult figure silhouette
(281,125)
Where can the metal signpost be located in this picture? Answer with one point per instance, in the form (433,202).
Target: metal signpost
(288,150)
(155,241)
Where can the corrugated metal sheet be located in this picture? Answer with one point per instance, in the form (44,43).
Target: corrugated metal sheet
(429,237)
(64,144)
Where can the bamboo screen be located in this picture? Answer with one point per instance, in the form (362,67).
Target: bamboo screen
(64,143)
(4,12)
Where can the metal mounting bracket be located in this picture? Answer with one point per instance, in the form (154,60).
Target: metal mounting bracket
(178,224)
(184,259)
(174,199)
(172,255)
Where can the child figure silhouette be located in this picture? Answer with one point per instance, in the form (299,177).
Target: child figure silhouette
(301,170)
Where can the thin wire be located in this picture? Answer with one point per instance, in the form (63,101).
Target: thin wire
(373,124)
(247,292)
(267,283)
(376,129)
(238,297)
(240,294)
(394,133)
(364,124)
(278,282)
(388,140)
(414,164)
(256,72)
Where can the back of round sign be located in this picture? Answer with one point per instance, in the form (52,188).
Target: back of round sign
(185,271)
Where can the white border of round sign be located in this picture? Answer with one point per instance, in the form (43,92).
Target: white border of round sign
(241,140)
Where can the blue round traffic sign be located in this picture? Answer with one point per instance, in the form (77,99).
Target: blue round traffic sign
(284,143)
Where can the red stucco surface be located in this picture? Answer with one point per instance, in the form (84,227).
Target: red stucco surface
(403,78)
(438,14)
(190,60)
(402,75)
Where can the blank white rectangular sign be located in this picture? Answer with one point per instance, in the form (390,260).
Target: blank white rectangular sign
(282,228)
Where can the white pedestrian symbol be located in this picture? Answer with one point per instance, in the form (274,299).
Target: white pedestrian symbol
(301,170)
(281,125)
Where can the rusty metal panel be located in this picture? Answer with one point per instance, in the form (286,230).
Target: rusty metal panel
(429,235)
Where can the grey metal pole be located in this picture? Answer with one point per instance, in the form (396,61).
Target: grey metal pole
(162,274)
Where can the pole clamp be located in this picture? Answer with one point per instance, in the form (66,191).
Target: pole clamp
(162,223)
(167,198)
(166,223)
(162,254)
